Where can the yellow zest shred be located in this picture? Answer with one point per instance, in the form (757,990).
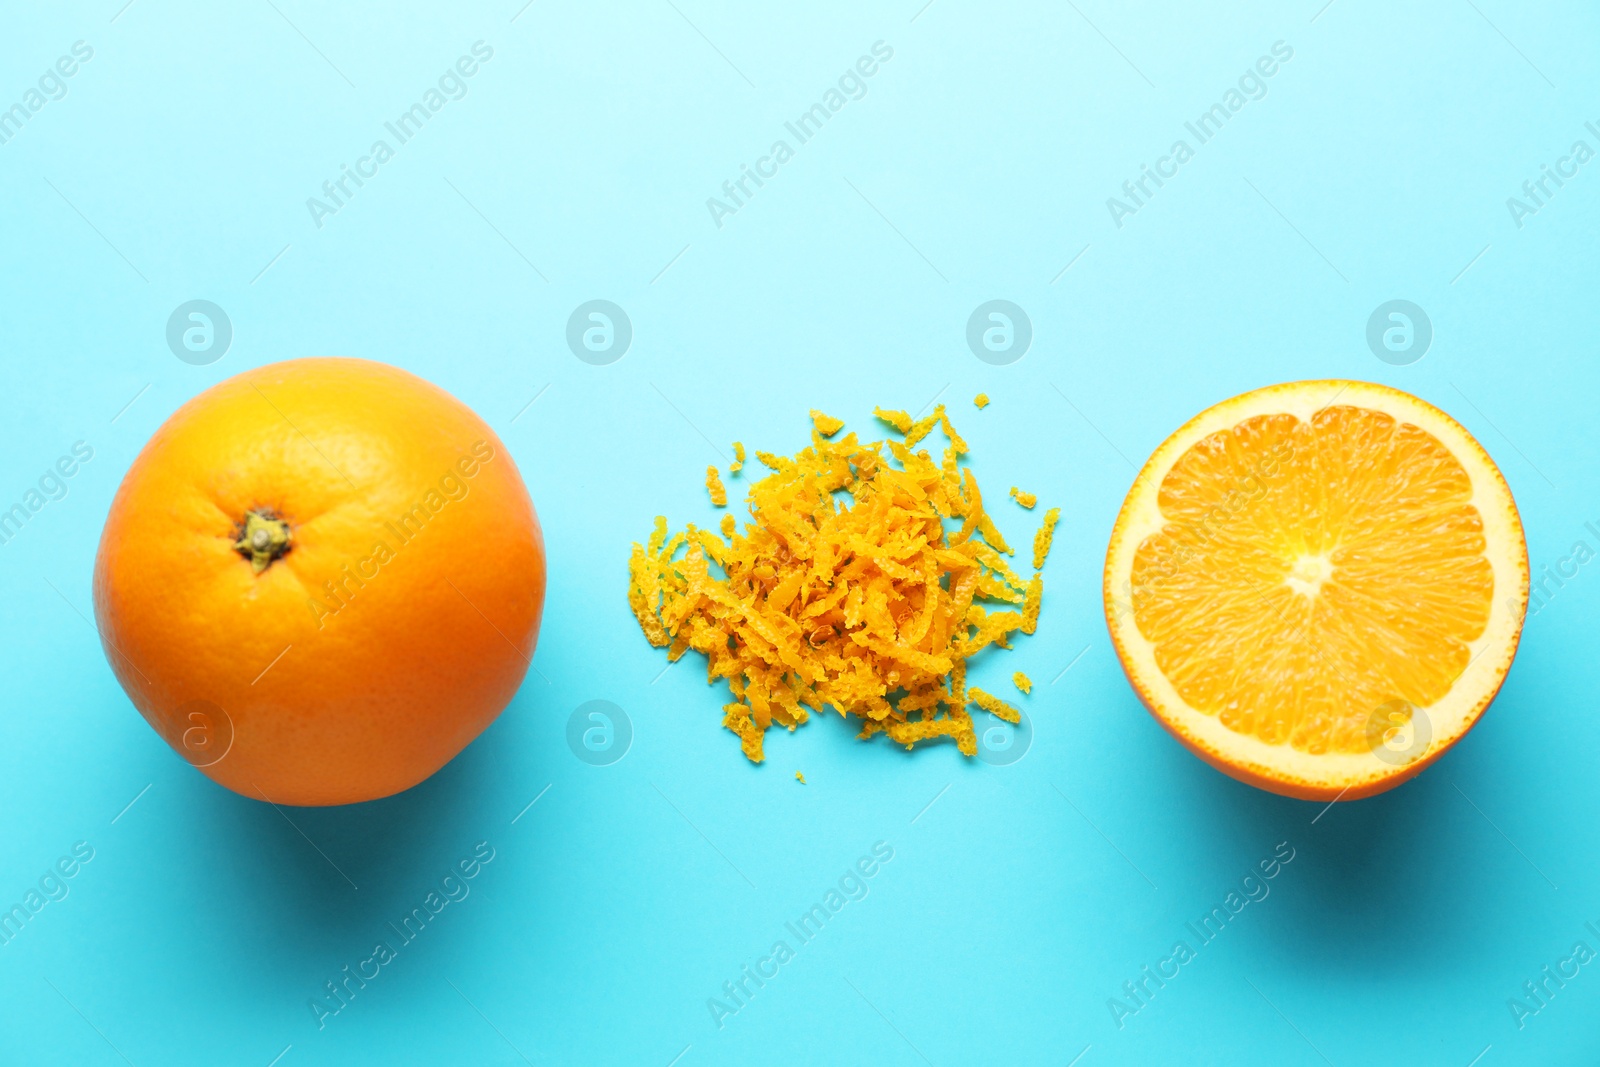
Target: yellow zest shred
(738,457)
(799,777)
(981,400)
(1042,539)
(994,705)
(1027,500)
(846,591)
(923,427)
(826,425)
(719,495)
(956,443)
(1030,604)
(1022,682)
(898,419)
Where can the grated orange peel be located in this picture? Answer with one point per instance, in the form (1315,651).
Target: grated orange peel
(845,591)
(995,706)
(1045,537)
(719,493)
(826,424)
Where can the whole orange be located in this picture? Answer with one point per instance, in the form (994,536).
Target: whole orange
(320,580)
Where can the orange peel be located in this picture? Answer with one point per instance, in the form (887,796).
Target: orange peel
(845,591)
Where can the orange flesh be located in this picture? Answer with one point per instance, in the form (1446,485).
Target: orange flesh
(1310,573)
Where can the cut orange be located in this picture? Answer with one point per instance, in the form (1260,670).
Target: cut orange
(1318,587)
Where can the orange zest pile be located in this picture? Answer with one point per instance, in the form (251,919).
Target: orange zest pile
(862,602)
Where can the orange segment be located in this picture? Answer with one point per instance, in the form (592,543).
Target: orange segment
(1318,586)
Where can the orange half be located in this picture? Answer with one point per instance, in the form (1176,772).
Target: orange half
(1318,587)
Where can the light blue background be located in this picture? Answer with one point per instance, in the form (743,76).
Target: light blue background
(976,167)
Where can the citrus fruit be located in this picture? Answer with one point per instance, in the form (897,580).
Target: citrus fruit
(1318,587)
(320,580)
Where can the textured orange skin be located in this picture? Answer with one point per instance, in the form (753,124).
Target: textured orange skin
(418,659)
